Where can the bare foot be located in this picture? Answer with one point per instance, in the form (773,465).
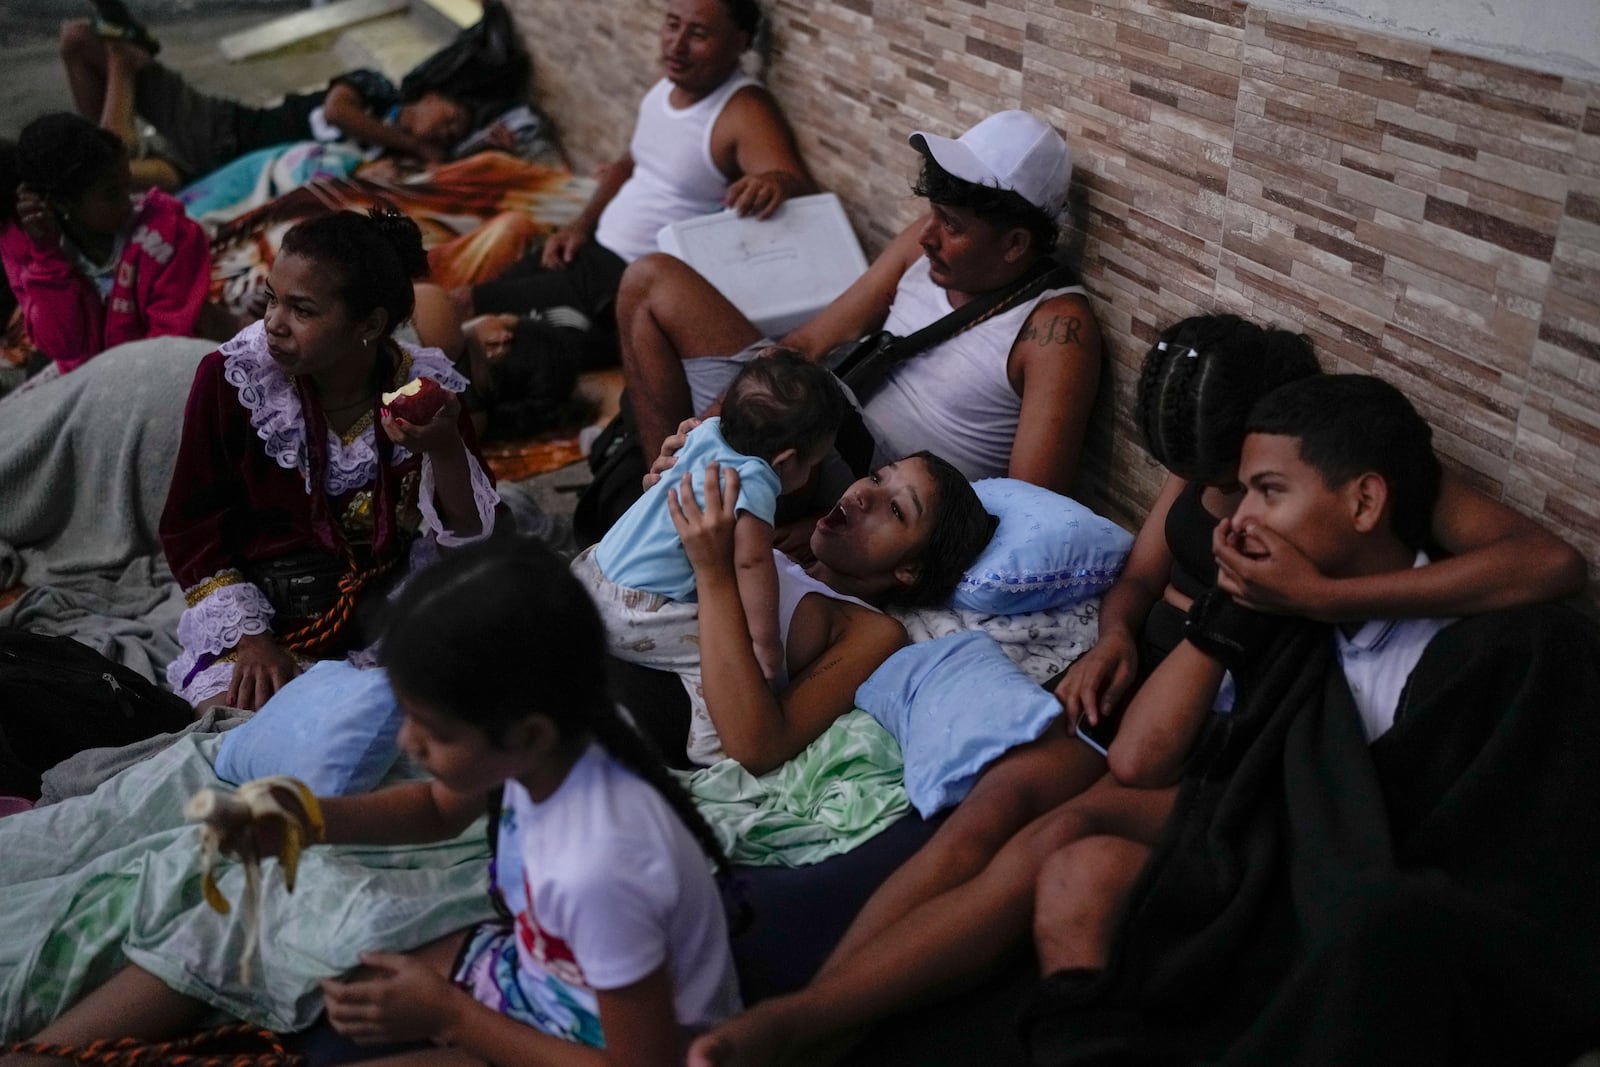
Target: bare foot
(127,56)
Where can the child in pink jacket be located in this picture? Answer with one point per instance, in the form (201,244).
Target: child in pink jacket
(91,265)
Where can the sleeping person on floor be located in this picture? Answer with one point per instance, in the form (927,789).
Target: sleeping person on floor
(115,80)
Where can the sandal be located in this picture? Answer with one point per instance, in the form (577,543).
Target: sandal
(116,23)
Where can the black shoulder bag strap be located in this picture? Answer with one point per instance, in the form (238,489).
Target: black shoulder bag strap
(863,365)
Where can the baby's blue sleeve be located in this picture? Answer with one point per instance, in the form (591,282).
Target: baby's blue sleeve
(758,489)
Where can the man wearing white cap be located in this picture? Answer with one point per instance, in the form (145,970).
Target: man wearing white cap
(1010,395)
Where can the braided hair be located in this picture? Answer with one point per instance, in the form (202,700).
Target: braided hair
(372,259)
(59,156)
(1198,383)
(499,629)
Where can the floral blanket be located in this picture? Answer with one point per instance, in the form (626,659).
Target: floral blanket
(478,216)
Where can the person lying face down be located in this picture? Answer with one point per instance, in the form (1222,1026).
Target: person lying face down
(952,915)
(904,534)
(778,423)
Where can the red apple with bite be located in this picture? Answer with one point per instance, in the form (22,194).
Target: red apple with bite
(417,401)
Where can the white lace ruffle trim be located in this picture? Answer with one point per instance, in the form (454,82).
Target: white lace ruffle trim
(216,623)
(208,683)
(270,397)
(484,497)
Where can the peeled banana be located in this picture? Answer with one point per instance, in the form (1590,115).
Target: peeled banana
(268,816)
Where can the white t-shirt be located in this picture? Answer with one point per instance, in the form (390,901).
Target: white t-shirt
(605,883)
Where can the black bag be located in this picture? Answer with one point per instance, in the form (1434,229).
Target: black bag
(619,469)
(300,585)
(864,363)
(486,64)
(59,697)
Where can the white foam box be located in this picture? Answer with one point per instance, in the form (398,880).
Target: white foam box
(780,271)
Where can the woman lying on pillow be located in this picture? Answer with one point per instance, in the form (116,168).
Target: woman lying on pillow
(964,902)
(903,535)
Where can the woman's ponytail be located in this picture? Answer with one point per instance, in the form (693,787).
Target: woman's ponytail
(405,237)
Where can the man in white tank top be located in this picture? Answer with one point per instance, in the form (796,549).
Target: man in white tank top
(1009,396)
(708,136)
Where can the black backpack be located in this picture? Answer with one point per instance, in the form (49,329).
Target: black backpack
(485,65)
(59,697)
(618,468)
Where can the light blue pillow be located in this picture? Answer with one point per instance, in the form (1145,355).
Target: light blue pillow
(335,727)
(955,704)
(1049,551)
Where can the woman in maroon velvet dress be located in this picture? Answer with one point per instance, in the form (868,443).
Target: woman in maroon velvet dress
(296,500)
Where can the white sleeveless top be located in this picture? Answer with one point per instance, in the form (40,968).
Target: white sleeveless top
(674,177)
(954,399)
(704,746)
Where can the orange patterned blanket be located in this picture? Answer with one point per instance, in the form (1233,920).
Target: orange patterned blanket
(478,216)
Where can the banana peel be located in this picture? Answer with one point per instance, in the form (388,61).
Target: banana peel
(265,817)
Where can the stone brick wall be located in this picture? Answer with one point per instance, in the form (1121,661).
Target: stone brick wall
(1427,216)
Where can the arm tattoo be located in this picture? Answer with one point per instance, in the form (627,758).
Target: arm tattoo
(1060,330)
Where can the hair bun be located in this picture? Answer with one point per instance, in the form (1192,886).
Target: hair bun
(404,236)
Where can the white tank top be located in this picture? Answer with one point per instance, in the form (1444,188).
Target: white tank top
(953,399)
(674,177)
(704,746)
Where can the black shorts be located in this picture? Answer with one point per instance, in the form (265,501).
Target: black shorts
(200,129)
(588,284)
(204,131)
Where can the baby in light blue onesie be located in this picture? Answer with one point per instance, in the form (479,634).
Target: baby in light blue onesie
(779,417)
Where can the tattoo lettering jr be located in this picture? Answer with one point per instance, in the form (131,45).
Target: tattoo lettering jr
(1059,330)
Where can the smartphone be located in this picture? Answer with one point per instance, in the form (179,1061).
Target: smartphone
(1098,736)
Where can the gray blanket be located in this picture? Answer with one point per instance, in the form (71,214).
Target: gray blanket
(84,465)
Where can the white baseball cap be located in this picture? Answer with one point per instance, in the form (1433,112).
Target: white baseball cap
(1009,150)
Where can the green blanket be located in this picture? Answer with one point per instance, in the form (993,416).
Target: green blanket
(94,882)
(844,788)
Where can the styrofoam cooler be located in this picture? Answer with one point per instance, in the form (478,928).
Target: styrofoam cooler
(780,271)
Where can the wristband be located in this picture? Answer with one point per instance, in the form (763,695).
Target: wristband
(1230,634)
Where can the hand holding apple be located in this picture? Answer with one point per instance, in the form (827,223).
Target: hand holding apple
(417,401)
(428,422)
